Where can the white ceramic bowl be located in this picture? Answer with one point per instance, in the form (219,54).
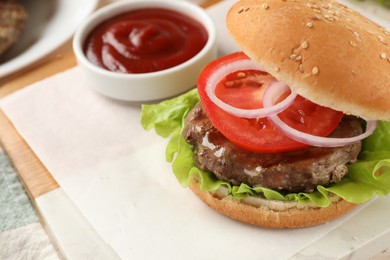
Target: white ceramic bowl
(145,86)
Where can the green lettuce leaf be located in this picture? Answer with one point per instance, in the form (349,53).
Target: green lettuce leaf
(368,177)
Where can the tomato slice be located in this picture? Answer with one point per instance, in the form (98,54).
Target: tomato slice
(244,89)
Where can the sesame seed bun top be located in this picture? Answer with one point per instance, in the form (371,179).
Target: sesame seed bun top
(327,52)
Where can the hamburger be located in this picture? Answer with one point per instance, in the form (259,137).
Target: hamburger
(292,131)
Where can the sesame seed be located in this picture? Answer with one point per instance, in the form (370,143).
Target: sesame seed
(304,45)
(298,58)
(277,69)
(241,74)
(265,6)
(301,68)
(315,70)
(356,34)
(381,39)
(293,56)
(383,55)
(330,18)
(352,43)
(309,24)
(243,9)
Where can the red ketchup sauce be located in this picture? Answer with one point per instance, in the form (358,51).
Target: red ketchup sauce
(145,40)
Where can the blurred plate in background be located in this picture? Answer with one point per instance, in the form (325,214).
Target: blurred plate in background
(50,24)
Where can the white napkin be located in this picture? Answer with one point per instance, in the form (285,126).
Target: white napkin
(115,173)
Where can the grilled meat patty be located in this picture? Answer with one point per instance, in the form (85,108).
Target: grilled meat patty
(294,171)
(12,19)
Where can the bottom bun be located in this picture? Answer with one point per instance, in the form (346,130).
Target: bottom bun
(271,213)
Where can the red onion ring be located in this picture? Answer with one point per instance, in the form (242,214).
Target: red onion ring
(240,65)
(269,97)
